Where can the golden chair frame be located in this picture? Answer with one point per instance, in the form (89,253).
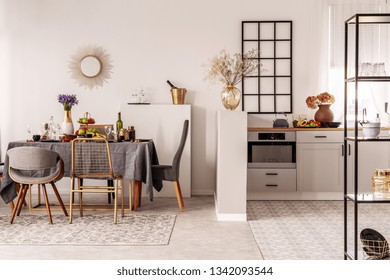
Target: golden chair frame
(105,173)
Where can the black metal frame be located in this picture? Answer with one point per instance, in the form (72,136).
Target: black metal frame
(274,75)
(356,198)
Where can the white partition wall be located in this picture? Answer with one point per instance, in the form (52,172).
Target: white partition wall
(164,124)
(231,166)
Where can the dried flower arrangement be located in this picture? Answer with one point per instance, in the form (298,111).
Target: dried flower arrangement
(323,98)
(230,69)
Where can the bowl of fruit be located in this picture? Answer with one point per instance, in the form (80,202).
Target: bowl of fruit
(307,124)
(87,119)
(87,133)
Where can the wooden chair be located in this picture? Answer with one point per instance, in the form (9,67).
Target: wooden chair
(49,166)
(91,159)
(171,172)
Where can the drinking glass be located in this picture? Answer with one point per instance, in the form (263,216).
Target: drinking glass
(55,128)
(108,130)
(29,130)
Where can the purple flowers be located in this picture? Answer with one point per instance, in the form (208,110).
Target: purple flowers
(68,100)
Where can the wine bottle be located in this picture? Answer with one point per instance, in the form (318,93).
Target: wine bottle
(169,83)
(119,123)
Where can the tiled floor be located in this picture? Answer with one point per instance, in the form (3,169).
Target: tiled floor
(196,235)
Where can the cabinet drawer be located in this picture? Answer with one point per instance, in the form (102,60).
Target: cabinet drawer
(319,136)
(272,180)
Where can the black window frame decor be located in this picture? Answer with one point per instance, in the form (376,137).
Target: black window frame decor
(271,75)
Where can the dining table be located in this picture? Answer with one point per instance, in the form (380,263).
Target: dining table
(132,160)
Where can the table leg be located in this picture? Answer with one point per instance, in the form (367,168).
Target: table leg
(137,194)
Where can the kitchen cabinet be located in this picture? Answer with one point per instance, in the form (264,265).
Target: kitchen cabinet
(278,180)
(320,161)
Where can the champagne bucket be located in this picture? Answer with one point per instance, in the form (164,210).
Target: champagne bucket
(178,95)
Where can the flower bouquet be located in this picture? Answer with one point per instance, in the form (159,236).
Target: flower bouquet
(321,99)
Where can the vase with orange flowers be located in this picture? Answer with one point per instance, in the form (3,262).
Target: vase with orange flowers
(322,101)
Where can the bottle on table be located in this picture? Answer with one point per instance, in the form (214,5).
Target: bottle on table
(131,133)
(119,124)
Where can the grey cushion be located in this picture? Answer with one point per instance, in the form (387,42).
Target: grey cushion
(32,158)
(31,165)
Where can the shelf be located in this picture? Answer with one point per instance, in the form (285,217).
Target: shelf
(369,19)
(356,197)
(367,198)
(368,79)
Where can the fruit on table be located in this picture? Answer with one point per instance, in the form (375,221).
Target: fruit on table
(83,120)
(311,123)
(91,121)
(81,131)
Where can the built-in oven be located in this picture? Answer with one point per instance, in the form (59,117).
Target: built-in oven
(271,149)
(271,162)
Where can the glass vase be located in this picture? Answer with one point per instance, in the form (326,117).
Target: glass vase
(231,97)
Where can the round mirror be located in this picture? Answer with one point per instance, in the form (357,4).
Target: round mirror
(90,66)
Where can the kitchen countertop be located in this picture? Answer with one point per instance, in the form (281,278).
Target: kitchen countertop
(295,129)
(303,129)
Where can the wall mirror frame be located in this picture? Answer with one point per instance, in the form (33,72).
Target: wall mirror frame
(90,66)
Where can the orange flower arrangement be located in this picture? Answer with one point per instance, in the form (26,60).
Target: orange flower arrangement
(323,98)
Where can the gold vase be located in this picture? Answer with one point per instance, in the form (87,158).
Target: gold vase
(67,125)
(231,97)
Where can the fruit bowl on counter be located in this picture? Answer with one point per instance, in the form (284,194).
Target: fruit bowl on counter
(306,124)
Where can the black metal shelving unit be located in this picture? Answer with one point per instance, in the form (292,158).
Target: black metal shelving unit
(351,134)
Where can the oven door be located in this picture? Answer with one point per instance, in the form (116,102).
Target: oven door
(271,154)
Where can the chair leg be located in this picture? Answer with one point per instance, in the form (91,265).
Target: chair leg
(24,192)
(116,202)
(71,198)
(122,198)
(59,198)
(179,197)
(110,183)
(80,182)
(17,190)
(47,203)
(12,205)
(18,204)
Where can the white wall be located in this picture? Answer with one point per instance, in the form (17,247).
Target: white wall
(149,41)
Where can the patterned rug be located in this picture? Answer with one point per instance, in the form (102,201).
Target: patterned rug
(310,230)
(96,229)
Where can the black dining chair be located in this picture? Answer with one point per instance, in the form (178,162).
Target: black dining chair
(35,166)
(171,172)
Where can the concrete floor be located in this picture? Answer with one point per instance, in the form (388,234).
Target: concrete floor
(196,235)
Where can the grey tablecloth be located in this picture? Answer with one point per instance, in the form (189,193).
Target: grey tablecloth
(132,160)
